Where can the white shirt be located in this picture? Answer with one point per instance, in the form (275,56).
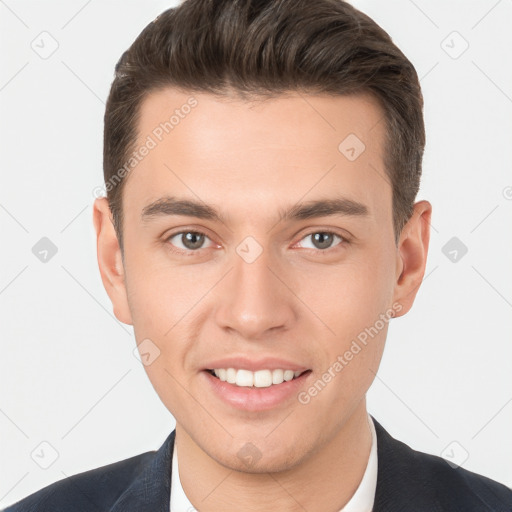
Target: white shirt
(361,501)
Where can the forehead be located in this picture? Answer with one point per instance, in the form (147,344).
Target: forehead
(259,153)
(321,121)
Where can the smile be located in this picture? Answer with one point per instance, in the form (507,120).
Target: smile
(258,379)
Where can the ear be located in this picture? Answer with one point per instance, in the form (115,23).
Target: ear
(110,260)
(412,256)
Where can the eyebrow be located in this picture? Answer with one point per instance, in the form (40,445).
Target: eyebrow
(343,206)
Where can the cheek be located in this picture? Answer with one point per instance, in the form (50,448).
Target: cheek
(165,303)
(349,297)
(160,302)
(159,296)
(352,302)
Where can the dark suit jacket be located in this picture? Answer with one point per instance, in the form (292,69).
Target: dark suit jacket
(407,481)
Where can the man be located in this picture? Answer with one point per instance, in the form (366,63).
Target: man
(262,160)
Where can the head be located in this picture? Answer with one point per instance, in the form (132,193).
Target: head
(261,161)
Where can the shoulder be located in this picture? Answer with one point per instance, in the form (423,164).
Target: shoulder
(428,482)
(96,489)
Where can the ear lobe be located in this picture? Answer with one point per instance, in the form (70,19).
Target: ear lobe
(412,254)
(110,260)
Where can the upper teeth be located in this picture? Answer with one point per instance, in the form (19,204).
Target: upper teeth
(259,379)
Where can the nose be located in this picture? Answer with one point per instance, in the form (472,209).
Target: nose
(254,300)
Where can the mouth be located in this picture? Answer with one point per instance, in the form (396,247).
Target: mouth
(259,379)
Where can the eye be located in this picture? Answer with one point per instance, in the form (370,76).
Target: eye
(322,240)
(188,240)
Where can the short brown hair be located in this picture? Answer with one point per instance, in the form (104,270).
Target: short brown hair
(264,48)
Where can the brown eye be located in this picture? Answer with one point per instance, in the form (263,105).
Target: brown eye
(188,240)
(321,240)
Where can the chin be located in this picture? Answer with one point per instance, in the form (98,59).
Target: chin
(260,456)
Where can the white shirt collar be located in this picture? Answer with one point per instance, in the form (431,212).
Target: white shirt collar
(361,501)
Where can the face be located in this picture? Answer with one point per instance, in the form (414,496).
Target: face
(258,243)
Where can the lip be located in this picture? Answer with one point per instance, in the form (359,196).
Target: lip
(255,399)
(265,363)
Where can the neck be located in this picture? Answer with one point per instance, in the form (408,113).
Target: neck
(324,480)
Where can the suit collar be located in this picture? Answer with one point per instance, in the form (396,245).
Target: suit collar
(150,491)
(398,488)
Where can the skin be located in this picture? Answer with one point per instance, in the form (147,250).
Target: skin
(251,160)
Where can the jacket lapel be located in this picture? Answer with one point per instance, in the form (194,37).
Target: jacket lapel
(399,486)
(150,490)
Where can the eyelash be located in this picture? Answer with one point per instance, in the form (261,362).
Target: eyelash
(189,252)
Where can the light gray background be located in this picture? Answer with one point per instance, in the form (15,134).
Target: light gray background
(68,374)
